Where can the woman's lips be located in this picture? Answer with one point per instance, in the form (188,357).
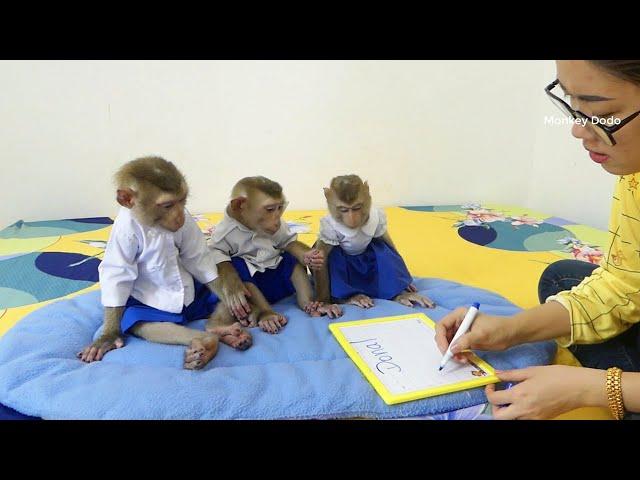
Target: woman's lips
(598,157)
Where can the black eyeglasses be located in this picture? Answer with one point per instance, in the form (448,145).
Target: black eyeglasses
(598,125)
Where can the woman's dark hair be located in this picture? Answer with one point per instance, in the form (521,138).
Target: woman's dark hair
(628,70)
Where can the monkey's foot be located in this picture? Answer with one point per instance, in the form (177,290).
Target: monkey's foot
(409,299)
(233,335)
(200,352)
(318,309)
(311,308)
(252,320)
(271,322)
(360,300)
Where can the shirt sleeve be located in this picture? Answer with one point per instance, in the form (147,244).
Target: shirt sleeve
(194,254)
(284,236)
(328,234)
(381,229)
(119,268)
(600,307)
(221,249)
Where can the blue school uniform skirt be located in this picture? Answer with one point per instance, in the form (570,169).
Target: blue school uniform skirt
(378,272)
(203,305)
(274,283)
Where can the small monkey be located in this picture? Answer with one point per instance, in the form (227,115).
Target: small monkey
(363,261)
(154,253)
(255,251)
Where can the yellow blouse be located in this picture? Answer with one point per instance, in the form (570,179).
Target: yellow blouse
(607,303)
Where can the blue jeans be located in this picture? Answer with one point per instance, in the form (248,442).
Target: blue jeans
(622,351)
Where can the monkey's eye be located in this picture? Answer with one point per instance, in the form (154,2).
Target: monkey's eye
(343,210)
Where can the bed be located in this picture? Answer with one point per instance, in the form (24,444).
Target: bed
(49,304)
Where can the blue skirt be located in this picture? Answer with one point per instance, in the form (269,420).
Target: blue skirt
(274,283)
(203,305)
(378,272)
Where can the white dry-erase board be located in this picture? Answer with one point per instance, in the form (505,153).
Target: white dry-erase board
(399,356)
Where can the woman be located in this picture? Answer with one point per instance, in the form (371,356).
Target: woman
(594,312)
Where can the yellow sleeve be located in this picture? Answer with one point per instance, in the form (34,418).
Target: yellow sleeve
(601,307)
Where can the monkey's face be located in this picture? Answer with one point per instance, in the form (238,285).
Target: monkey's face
(163,209)
(263,213)
(349,205)
(172,213)
(352,215)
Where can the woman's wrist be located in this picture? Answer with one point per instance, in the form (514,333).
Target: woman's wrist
(544,322)
(591,387)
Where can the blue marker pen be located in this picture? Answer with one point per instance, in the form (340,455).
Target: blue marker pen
(507,386)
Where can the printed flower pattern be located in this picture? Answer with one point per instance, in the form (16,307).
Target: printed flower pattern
(581,251)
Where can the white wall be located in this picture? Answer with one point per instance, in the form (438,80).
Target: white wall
(564,181)
(421,132)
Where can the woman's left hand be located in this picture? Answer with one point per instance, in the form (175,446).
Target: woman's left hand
(545,392)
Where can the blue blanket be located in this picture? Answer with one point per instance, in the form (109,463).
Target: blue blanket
(299,373)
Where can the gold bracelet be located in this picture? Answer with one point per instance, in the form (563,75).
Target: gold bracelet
(614,392)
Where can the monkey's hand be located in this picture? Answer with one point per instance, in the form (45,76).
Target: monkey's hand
(233,294)
(411,298)
(318,309)
(412,288)
(314,259)
(101,346)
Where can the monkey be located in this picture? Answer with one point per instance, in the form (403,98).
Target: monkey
(157,273)
(256,250)
(362,261)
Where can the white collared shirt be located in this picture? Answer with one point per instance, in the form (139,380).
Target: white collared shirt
(231,238)
(153,265)
(353,241)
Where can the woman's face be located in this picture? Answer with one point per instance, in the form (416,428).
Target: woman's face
(595,92)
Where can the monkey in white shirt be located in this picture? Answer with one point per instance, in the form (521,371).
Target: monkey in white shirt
(362,261)
(154,253)
(260,261)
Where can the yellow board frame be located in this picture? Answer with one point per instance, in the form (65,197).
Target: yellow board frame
(391,398)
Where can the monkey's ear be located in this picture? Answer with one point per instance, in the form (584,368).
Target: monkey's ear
(126,197)
(236,203)
(327,193)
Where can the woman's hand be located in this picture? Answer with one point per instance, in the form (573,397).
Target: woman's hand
(487,332)
(546,392)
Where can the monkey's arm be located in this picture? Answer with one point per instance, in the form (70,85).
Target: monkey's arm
(297,249)
(309,257)
(231,290)
(111,336)
(321,275)
(117,273)
(228,286)
(198,260)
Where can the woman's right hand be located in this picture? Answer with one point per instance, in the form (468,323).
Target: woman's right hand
(487,332)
